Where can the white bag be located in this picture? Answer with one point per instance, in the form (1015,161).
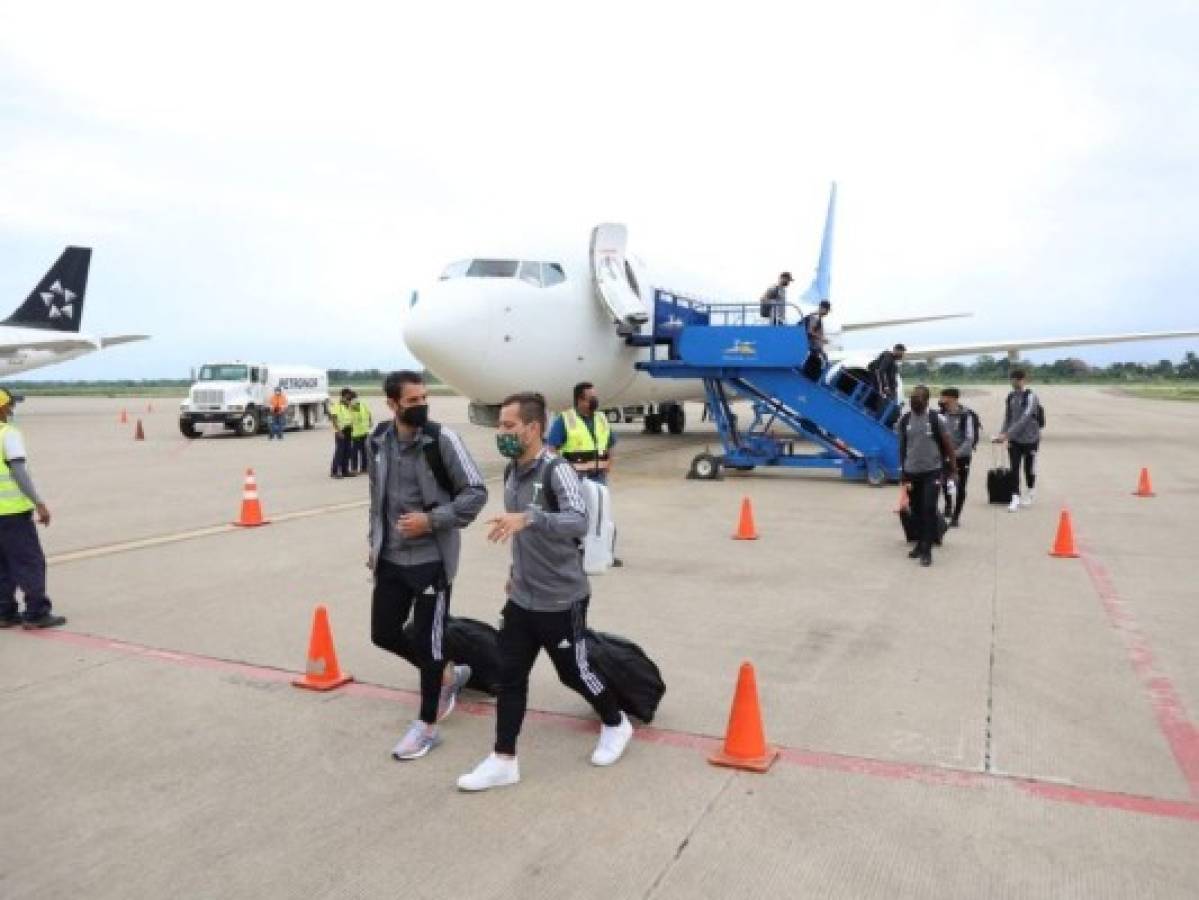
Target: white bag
(599,544)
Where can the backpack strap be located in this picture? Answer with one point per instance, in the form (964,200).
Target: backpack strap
(432,450)
(547,483)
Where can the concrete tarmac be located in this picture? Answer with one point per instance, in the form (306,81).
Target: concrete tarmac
(1004,724)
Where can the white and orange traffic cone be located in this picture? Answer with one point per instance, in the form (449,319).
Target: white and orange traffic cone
(251,509)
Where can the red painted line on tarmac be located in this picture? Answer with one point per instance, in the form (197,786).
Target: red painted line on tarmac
(807,759)
(1176,726)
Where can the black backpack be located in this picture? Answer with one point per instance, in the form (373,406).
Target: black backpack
(547,487)
(432,452)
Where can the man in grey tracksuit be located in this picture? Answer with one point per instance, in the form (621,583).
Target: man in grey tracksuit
(962,425)
(925,450)
(547,592)
(1022,433)
(415,514)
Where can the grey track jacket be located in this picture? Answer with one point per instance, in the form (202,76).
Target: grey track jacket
(547,567)
(446,513)
(1019,417)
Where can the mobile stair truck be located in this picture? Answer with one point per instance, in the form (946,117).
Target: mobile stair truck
(237,395)
(850,425)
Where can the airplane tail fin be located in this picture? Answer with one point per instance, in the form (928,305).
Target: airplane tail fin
(821,283)
(56,304)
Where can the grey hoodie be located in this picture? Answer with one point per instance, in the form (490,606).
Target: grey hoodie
(547,567)
(1019,417)
(446,513)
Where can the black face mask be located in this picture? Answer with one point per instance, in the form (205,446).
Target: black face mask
(593,405)
(415,416)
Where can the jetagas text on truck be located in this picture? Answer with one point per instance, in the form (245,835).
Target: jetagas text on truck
(237,395)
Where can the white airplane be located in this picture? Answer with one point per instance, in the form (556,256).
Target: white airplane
(493,325)
(44,330)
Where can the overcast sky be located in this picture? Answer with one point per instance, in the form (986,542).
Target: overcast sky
(271,181)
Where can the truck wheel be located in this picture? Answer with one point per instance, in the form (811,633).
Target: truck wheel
(676,418)
(247,425)
(188,428)
(306,417)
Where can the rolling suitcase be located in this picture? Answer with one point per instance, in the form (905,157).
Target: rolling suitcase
(1001,481)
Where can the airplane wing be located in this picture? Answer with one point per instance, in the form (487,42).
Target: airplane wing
(63,345)
(122,339)
(883,323)
(1011,347)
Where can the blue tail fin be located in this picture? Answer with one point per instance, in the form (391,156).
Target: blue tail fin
(821,284)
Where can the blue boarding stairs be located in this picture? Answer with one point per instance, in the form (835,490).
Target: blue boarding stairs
(798,403)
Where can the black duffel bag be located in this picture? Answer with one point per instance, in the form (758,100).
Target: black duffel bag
(627,672)
(909,526)
(469,642)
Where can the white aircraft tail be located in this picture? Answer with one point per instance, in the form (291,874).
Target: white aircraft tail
(821,284)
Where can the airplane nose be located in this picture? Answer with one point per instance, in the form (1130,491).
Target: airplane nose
(447,331)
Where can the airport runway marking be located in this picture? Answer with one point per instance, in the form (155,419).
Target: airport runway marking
(275,519)
(208,531)
(941,776)
(1176,726)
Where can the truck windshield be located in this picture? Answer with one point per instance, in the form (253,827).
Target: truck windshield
(223,373)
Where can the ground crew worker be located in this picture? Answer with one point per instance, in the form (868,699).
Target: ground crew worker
(925,449)
(278,413)
(583,436)
(773,304)
(22,562)
(963,426)
(547,592)
(1022,434)
(360,413)
(885,369)
(813,324)
(343,427)
(424,487)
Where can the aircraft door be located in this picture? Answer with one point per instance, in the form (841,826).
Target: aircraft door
(610,276)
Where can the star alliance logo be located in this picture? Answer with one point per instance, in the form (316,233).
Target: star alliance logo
(59,301)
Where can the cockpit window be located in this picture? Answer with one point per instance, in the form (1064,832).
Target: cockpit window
(492,268)
(531,272)
(538,274)
(455,269)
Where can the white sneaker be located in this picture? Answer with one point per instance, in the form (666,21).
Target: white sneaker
(494,771)
(1014,506)
(612,741)
(1027,501)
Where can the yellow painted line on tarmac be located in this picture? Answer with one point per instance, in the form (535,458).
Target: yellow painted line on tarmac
(210,530)
(158,541)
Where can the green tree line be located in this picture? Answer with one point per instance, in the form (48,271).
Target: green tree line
(1062,371)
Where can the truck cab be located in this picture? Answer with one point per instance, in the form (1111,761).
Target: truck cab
(237,396)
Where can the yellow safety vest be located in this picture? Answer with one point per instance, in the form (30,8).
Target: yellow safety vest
(343,416)
(13,501)
(584,453)
(362,420)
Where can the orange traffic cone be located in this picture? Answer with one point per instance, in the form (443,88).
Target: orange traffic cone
(1064,544)
(1145,486)
(251,509)
(139,434)
(745,743)
(322,672)
(124,418)
(745,528)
